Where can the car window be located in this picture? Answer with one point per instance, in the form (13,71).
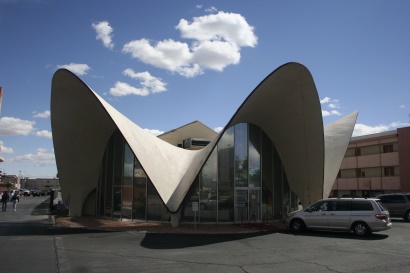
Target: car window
(397,199)
(385,198)
(320,206)
(361,205)
(381,206)
(343,205)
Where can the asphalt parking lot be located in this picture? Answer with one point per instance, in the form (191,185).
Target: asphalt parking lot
(41,247)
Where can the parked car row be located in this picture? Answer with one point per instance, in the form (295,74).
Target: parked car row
(359,215)
(34,192)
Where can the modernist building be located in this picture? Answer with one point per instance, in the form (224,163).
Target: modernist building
(273,153)
(374,164)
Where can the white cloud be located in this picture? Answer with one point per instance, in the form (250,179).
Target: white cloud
(332,104)
(362,129)
(218,129)
(104,31)
(168,54)
(402,106)
(4,149)
(41,158)
(330,113)
(325,100)
(154,132)
(124,89)
(199,6)
(216,55)
(44,133)
(149,82)
(44,114)
(216,43)
(14,126)
(211,10)
(229,27)
(79,69)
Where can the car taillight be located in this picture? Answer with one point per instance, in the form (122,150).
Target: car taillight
(381,216)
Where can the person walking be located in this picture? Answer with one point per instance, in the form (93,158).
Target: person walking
(15,198)
(4,200)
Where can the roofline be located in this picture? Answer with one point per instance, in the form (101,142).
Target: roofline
(173,130)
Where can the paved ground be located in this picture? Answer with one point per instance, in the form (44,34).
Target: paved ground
(30,243)
(106,224)
(25,244)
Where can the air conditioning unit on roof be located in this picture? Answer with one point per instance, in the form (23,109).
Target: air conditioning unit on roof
(190,143)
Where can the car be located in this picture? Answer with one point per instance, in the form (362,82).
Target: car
(398,204)
(360,215)
(35,193)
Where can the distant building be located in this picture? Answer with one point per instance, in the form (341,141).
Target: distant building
(374,164)
(40,183)
(13,180)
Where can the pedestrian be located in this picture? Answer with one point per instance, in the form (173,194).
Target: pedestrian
(15,198)
(4,200)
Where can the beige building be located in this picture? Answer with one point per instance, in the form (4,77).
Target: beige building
(40,183)
(12,180)
(374,164)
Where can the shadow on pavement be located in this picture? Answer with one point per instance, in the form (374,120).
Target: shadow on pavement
(173,241)
(42,208)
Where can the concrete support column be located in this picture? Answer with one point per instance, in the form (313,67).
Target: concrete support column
(175,219)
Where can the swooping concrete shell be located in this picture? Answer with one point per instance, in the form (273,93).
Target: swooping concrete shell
(285,105)
(337,136)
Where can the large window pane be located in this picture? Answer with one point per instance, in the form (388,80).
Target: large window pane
(187,215)
(254,156)
(127,182)
(154,203)
(208,189)
(109,175)
(139,192)
(225,176)
(118,173)
(241,155)
(267,178)
(277,186)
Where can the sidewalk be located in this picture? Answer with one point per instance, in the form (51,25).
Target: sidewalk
(115,225)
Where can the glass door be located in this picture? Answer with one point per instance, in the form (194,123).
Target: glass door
(254,206)
(247,206)
(241,206)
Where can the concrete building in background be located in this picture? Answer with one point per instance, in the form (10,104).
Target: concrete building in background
(9,179)
(273,153)
(40,183)
(374,164)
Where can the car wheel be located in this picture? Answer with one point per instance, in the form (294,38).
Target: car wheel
(297,225)
(360,229)
(407,215)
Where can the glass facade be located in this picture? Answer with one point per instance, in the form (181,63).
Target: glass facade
(243,181)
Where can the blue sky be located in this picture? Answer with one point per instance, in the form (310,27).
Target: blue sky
(167,63)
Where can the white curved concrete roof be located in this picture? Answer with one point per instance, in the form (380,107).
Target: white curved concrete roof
(285,105)
(337,137)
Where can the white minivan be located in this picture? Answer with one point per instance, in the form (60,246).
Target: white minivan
(360,215)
